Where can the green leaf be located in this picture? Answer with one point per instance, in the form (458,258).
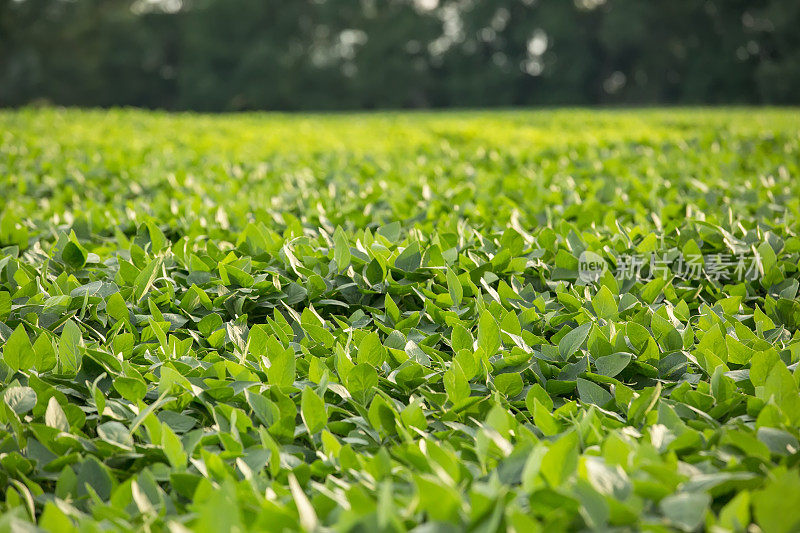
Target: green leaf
(461,339)
(545,421)
(381,416)
(509,384)
(778,441)
(390,231)
(116,307)
(45,353)
(74,255)
(572,341)
(209,324)
(685,511)
(172,446)
(20,399)
(454,287)
(410,258)
(312,410)
(281,371)
(265,410)
(537,392)
(341,249)
(308,517)
(392,311)
(371,351)
(440,501)
(604,304)
(735,516)
(94,476)
(361,380)
(53,519)
(592,393)
(146,278)
(69,355)
(781,387)
(738,353)
(775,506)
(18,353)
(468,363)
(5,305)
(488,334)
(54,415)
(132,389)
(593,505)
(611,365)
(561,460)
(115,433)
(456,384)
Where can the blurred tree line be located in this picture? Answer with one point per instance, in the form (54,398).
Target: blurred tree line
(323,54)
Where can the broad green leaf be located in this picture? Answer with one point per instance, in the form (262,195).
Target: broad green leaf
(781,387)
(115,433)
(561,459)
(18,352)
(54,416)
(611,365)
(685,510)
(440,501)
(371,351)
(604,304)
(69,355)
(312,410)
(361,380)
(172,446)
(341,250)
(572,341)
(454,287)
(409,259)
(775,506)
(281,371)
(146,278)
(537,392)
(592,393)
(509,384)
(488,334)
(20,399)
(132,389)
(74,255)
(543,419)
(456,384)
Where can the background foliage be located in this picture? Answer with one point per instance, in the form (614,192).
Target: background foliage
(311,54)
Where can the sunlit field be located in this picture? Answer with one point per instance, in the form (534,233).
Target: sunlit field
(486,321)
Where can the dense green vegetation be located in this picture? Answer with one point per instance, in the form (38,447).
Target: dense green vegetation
(372,322)
(221,55)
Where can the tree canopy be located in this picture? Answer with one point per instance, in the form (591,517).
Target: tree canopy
(222,55)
